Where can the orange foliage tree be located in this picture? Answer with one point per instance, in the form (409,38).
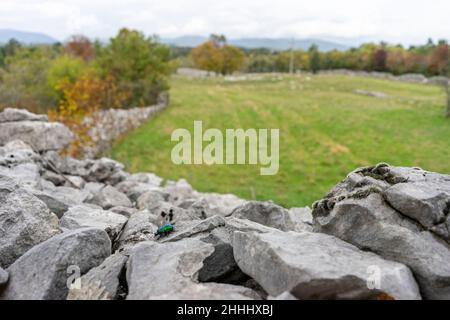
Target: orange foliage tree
(80,46)
(81,100)
(215,55)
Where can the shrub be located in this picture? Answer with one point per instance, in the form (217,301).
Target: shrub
(138,64)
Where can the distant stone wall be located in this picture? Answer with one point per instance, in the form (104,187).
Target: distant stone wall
(110,124)
(195,73)
(410,77)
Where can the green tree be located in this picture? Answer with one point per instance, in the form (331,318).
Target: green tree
(139,64)
(314,58)
(9,49)
(24,79)
(233,59)
(64,69)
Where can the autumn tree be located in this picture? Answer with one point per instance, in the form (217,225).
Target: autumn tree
(81,100)
(207,57)
(439,64)
(379,59)
(439,60)
(217,56)
(81,47)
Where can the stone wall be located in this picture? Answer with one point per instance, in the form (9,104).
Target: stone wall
(110,124)
(411,77)
(382,233)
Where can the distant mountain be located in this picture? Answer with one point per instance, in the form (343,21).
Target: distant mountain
(255,43)
(184,41)
(25,37)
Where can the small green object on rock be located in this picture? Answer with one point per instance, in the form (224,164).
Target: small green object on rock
(165,230)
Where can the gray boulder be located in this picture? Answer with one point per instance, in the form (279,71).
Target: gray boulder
(57,204)
(169,213)
(16,152)
(25,221)
(25,174)
(155,269)
(195,227)
(179,191)
(109,197)
(108,277)
(303,215)
(14,115)
(103,169)
(43,273)
(372,209)
(42,136)
(424,202)
(318,266)
(266,213)
(124,211)
(55,178)
(170,271)
(217,204)
(301,218)
(140,227)
(147,178)
(220,266)
(60,199)
(67,165)
(74,182)
(70,195)
(233,224)
(150,200)
(82,216)
(134,189)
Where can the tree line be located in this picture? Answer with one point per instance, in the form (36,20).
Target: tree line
(74,80)
(127,71)
(431,59)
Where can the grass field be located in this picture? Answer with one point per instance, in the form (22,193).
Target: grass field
(326,131)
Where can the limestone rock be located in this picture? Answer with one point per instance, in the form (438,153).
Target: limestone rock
(124,211)
(266,213)
(140,227)
(109,197)
(16,152)
(14,115)
(318,266)
(42,136)
(150,200)
(25,221)
(25,174)
(107,276)
(194,228)
(43,272)
(82,216)
(372,209)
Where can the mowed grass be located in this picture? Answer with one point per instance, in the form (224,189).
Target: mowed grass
(326,131)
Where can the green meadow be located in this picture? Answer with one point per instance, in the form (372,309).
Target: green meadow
(326,131)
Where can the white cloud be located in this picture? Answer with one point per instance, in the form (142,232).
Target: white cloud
(407,21)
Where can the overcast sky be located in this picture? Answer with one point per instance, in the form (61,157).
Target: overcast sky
(405,21)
